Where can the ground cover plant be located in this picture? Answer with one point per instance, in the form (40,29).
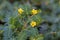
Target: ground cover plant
(29,19)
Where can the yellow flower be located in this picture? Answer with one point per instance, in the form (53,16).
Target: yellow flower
(20,11)
(34,11)
(33,23)
(34,39)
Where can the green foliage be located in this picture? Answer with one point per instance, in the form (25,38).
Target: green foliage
(17,26)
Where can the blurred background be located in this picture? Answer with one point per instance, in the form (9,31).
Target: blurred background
(11,26)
